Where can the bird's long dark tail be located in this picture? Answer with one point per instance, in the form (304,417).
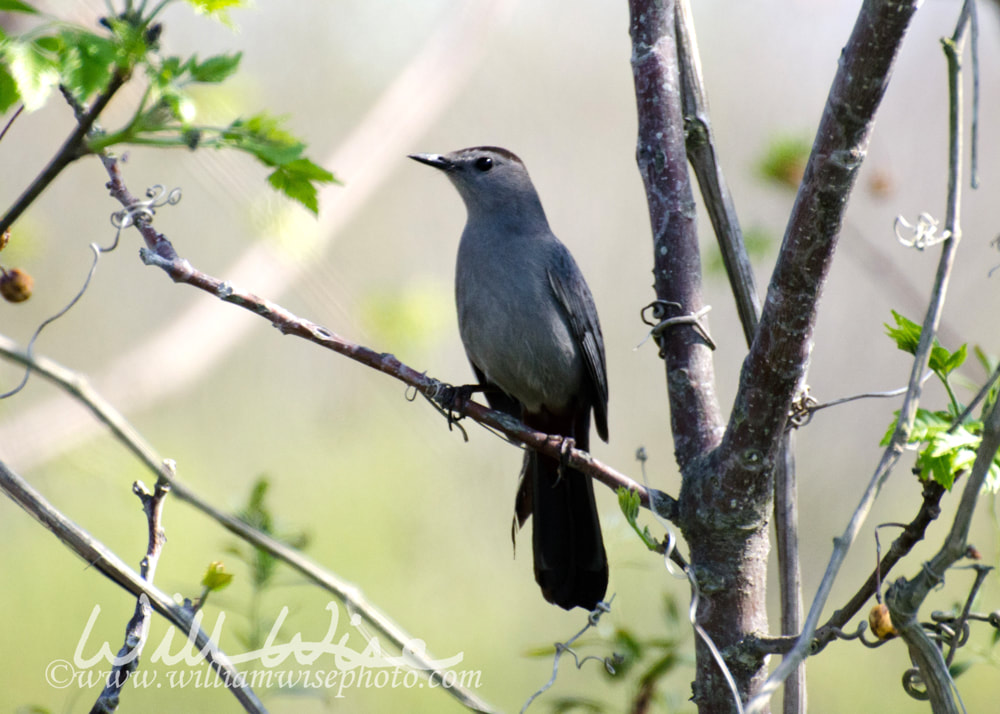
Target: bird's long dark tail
(571,566)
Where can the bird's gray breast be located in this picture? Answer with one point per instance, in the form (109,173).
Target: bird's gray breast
(513,327)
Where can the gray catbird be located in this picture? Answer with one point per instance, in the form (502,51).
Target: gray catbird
(530,330)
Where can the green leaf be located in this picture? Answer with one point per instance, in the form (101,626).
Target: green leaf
(987,361)
(944,362)
(216,577)
(957,359)
(925,424)
(216,69)
(906,333)
(262,136)
(49,43)
(959,668)
(86,63)
(34,73)
(948,454)
(170,70)
(9,96)
(17,6)
(297,179)
(130,41)
(216,9)
(182,107)
(629,502)
(786,160)
(992,483)
(928,424)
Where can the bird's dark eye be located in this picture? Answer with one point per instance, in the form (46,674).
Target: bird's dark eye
(484,163)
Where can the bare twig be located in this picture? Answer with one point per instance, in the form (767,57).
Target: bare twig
(912,534)
(137,629)
(567,647)
(786,536)
(10,122)
(722,213)
(98,556)
(700,144)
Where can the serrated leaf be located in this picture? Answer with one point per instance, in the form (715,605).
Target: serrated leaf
(927,424)
(956,359)
(262,136)
(86,63)
(216,69)
(34,74)
(294,185)
(948,454)
(906,333)
(17,6)
(628,501)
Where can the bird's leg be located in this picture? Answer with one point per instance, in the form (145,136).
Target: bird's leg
(453,400)
(566,447)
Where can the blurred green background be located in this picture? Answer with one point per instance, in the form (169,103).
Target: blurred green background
(389,497)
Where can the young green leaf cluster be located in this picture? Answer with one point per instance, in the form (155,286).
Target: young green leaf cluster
(947,446)
(87,65)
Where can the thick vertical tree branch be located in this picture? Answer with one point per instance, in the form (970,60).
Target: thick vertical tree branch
(891,18)
(662,159)
(730,598)
(776,365)
(722,213)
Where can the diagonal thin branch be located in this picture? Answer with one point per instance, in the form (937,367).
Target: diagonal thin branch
(700,144)
(913,533)
(774,370)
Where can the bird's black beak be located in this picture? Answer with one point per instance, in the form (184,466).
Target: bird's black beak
(435,160)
